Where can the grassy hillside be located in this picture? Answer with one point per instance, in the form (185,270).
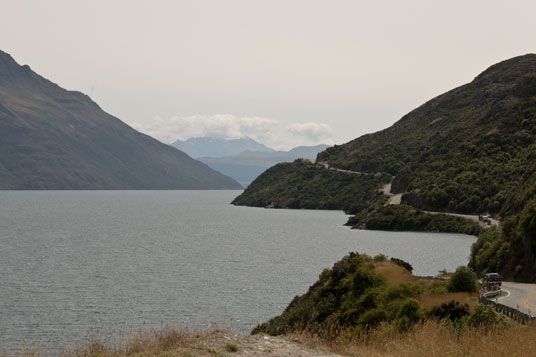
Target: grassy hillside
(302,184)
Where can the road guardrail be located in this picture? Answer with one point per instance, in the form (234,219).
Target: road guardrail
(512,313)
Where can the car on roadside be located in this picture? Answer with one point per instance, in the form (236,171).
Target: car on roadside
(492,280)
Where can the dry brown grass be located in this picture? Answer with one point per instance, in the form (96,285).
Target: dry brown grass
(492,132)
(167,341)
(171,342)
(433,339)
(431,300)
(395,274)
(436,120)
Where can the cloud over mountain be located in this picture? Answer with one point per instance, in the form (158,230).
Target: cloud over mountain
(311,131)
(265,130)
(219,126)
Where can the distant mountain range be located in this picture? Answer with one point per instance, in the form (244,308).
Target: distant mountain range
(216,147)
(246,166)
(51,138)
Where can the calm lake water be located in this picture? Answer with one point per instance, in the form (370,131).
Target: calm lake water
(111,262)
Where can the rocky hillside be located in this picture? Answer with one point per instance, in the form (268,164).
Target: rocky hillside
(51,138)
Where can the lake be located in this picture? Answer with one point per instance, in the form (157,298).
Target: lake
(74,263)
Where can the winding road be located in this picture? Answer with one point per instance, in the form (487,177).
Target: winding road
(396,198)
(520,296)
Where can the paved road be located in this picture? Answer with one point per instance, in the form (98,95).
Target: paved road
(494,222)
(396,199)
(520,296)
(341,170)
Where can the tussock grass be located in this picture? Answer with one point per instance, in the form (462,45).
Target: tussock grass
(230,347)
(167,341)
(432,338)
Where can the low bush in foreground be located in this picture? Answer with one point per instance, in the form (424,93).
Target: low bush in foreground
(230,347)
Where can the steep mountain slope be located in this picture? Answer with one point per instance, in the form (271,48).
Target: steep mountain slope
(51,138)
(216,147)
(246,166)
(467,150)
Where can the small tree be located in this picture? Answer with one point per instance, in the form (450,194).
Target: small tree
(410,309)
(380,258)
(362,280)
(485,316)
(463,279)
(408,313)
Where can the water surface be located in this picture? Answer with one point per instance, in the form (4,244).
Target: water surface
(75,262)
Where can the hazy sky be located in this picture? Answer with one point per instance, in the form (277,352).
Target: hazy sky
(284,72)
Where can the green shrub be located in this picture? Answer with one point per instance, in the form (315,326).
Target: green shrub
(408,313)
(362,280)
(463,279)
(485,316)
(410,309)
(403,264)
(229,347)
(402,292)
(372,318)
(452,310)
(380,258)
